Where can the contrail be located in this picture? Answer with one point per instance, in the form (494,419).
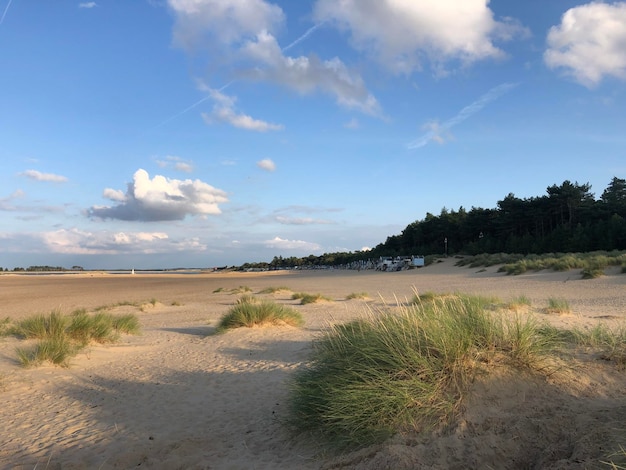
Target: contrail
(5,11)
(307,33)
(462,115)
(189,108)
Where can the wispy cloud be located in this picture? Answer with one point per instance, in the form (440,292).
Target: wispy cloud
(39,176)
(441,132)
(224,111)
(87,5)
(243,34)
(285,244)
(4,13)
(176,162)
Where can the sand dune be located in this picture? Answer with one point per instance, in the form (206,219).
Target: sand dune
(177,397)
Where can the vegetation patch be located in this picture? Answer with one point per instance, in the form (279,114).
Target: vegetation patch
(558,306)
(61,337)
(240,290)
(592,264)
(519,303)
(357,295)
(371,378)
(250,311)
(275,289)
(310,298)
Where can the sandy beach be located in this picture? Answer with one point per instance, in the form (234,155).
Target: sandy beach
(179,397)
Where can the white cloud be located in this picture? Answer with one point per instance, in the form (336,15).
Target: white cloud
(87,5)
(266,164)
(299,245)
(222,21)
(48,177)
(308,74)
(224,111)
(114,195)
(401,33)
(590,43)
(352,124)
(243,33)
(160,199)
(81,242)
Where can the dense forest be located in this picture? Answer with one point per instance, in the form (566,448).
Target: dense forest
(568,218)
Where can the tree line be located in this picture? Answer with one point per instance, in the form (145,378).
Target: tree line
(568,218)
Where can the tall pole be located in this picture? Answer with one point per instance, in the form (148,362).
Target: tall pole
(445,243)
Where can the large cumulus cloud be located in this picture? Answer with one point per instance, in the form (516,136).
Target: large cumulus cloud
(589,43)
(160,199)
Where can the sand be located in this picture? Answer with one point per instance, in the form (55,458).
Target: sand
(177,397)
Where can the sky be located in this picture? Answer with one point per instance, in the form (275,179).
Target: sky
(200,133)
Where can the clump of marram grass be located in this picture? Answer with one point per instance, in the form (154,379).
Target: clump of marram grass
(240,290)
(249,311)
(41,326)
(558,306)
(519,303)
(428,296)
(61,337)
(371,378)
(357,295)
(610,342)
(5,327)
(274,290)
(309,298)
(480,301)
(123,303)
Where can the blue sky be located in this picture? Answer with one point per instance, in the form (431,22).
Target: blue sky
(199,133)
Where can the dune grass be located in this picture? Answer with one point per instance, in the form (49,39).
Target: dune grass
(371,378)
(357,295)
(241,290)
(591,264)
(249,311)
(310,298)
(558,306)
(274,290)
(519,303)
(63,336)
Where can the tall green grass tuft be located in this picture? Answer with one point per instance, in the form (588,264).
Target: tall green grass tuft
(249,311)
(61,337)
(274,290)
(309,298)
(357,295)
(41,326)
(371,378)
(558,306)
(58,350)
